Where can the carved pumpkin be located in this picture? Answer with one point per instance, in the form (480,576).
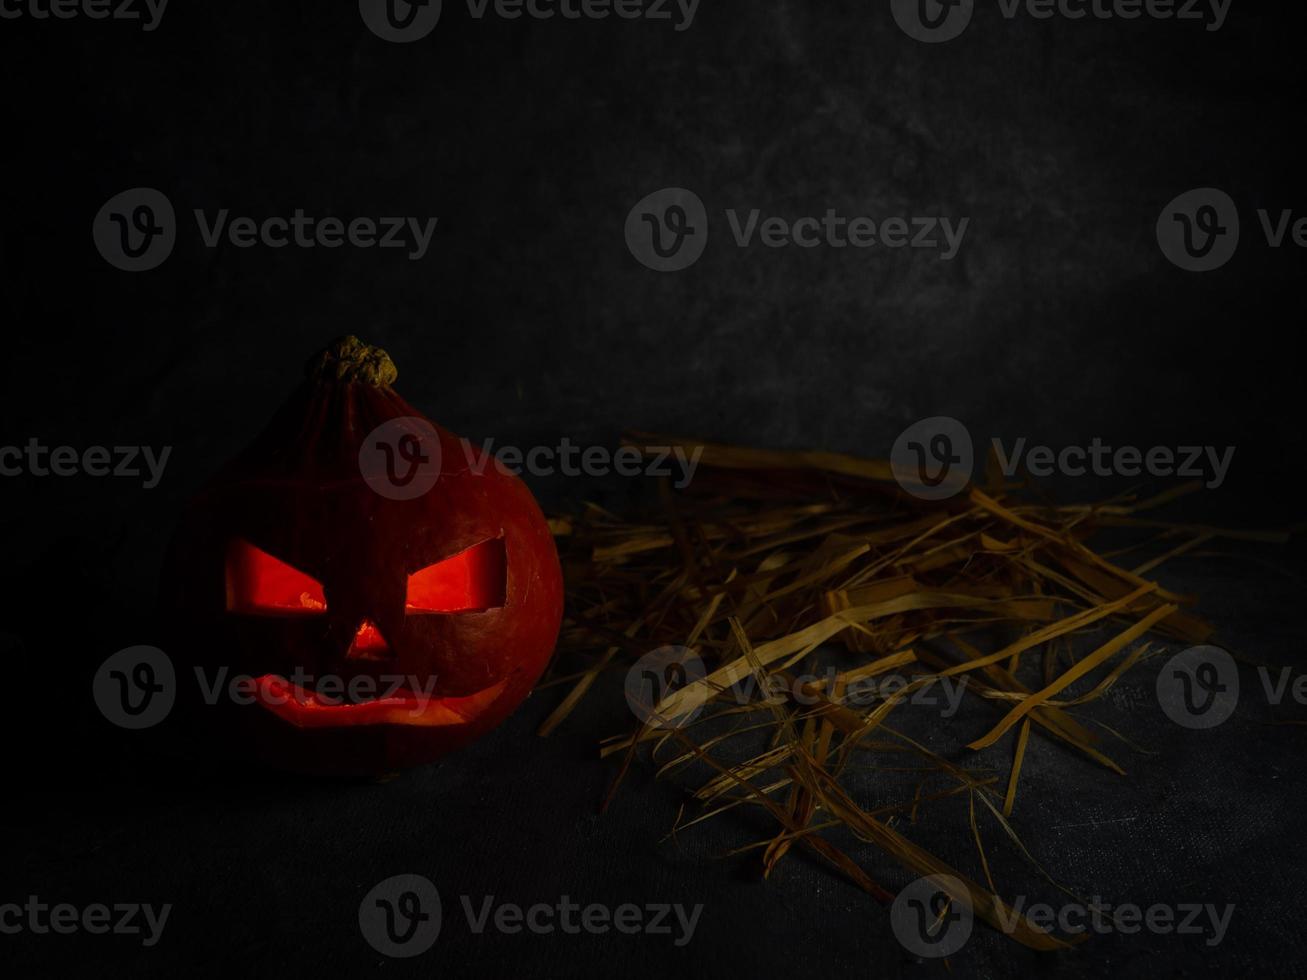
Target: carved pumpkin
(388,598)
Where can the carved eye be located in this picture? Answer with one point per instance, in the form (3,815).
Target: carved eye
(260,585)
(470,580)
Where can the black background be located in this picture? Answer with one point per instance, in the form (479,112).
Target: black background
(529,320)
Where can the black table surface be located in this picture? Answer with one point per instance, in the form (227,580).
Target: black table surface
(265,873)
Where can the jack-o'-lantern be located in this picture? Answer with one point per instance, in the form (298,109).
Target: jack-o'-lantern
(359,590)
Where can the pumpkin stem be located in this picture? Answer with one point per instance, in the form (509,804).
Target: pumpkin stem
(349,359)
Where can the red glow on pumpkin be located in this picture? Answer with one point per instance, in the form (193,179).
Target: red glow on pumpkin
(306,709)
(470,580)
(368,643)
(260,585)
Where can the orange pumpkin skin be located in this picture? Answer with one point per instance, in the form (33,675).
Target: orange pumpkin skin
(356,558)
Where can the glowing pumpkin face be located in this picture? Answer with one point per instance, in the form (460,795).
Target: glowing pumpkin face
(389,598)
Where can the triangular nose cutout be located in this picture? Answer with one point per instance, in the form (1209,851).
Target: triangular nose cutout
(368,643)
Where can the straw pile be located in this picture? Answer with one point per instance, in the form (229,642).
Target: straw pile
(770,558)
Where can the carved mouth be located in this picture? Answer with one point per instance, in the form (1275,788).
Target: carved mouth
(303,708)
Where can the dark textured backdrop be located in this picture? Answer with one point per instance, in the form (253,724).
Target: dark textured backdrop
(529,319)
